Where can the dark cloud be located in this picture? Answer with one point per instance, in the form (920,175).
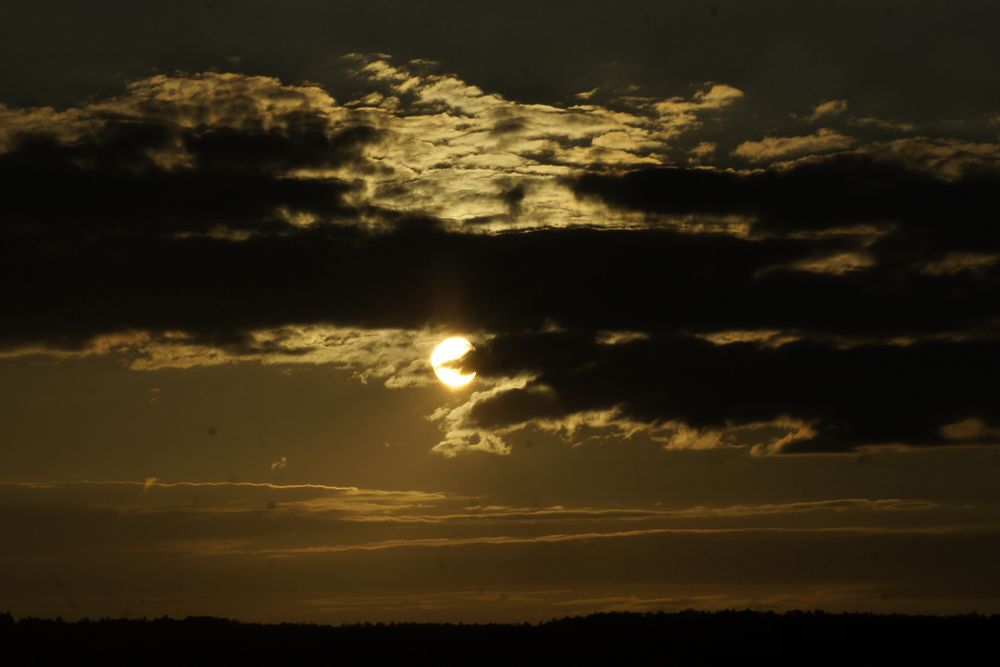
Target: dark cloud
(851,397)
(512,197)
(417,274)
(923,216)
(304,142)
(145,178)
(91,250)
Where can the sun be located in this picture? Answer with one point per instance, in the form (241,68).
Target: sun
(448,351)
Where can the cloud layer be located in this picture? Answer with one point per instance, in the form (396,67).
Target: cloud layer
(624,267)
(95,548)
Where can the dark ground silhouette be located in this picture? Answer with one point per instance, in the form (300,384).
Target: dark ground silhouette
(682,638)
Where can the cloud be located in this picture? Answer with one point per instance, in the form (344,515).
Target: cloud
(823,140)
(951,159)
(501,540)
(799,397)
(902,199)
(703,151)
(827,109)
(374,302)
(972,429)
(154,496)
(715,96)
(461,434)
(281,292)
(182,542)
(958,262)
(217,181)
(396,357)
(871,122)
(217,151)
(221,520)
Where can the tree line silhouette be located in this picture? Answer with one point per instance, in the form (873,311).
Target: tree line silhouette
(683,638)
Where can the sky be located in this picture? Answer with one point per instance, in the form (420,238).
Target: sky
(729,272)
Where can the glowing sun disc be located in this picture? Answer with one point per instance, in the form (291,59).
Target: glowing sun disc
(447,351)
